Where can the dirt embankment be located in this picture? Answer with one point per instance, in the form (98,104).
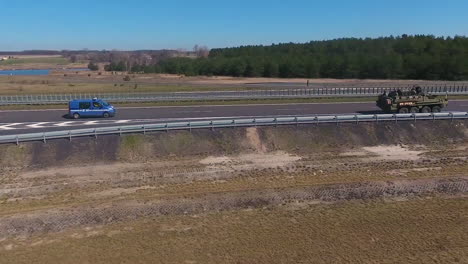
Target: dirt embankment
(60,187)
(302,140)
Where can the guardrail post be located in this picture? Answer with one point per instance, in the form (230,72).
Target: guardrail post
(95,134)
(17,140)
(190,126)
(376,118)
(396,118)
(451,115)
(120,131)
(234,123)
(276,122)
(414,116)
(212,125)
(337,123)
(357,120)
(255,122)
(144,130)
(69,135)
(44,137)
(297,122)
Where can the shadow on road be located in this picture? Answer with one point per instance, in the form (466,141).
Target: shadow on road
(370,112)
(67,116)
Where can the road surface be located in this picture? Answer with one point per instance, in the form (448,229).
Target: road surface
(31,121)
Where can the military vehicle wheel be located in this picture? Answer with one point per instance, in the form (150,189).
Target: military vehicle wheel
(414,110)
(403,110)
(76,115)
(105,115)
(436,109)
(426,109)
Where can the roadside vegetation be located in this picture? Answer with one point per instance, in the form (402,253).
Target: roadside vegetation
(403,57)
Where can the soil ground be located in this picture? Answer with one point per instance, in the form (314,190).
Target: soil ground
(380,193)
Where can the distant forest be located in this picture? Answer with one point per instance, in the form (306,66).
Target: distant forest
(403,57)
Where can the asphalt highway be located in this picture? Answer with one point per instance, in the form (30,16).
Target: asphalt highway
(32,121)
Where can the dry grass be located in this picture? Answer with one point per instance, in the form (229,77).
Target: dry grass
(101,82)
(18,85)
(264,195)
(419,231)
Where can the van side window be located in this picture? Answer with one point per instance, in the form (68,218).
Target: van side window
(85,105)
(96,105)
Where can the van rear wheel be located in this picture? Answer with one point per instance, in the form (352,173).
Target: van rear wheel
(76,116)
(105,115)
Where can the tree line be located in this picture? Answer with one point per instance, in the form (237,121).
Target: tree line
(402,57)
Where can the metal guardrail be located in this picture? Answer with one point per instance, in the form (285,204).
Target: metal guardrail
(226,123)
(223,95)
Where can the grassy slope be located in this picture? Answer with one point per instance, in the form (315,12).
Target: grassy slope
(417,231)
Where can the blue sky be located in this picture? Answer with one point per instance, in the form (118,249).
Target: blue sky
(137,24)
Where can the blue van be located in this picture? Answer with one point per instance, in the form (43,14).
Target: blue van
(90,108)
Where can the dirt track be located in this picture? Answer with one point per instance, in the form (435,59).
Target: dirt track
(60,219)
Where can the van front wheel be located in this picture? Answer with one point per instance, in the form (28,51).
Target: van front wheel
(76,116)
(105,115)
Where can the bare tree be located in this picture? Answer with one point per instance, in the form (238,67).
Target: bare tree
(201,51)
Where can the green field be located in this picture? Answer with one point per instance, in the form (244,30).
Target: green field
(41,60)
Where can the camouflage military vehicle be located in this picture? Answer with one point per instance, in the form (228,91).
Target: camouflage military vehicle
(413,101)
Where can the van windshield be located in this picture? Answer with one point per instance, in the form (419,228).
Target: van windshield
(105,104)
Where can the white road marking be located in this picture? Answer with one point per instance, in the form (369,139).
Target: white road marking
(38,125)
(62,124)
(9,126)
(123,121)
(90,123)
